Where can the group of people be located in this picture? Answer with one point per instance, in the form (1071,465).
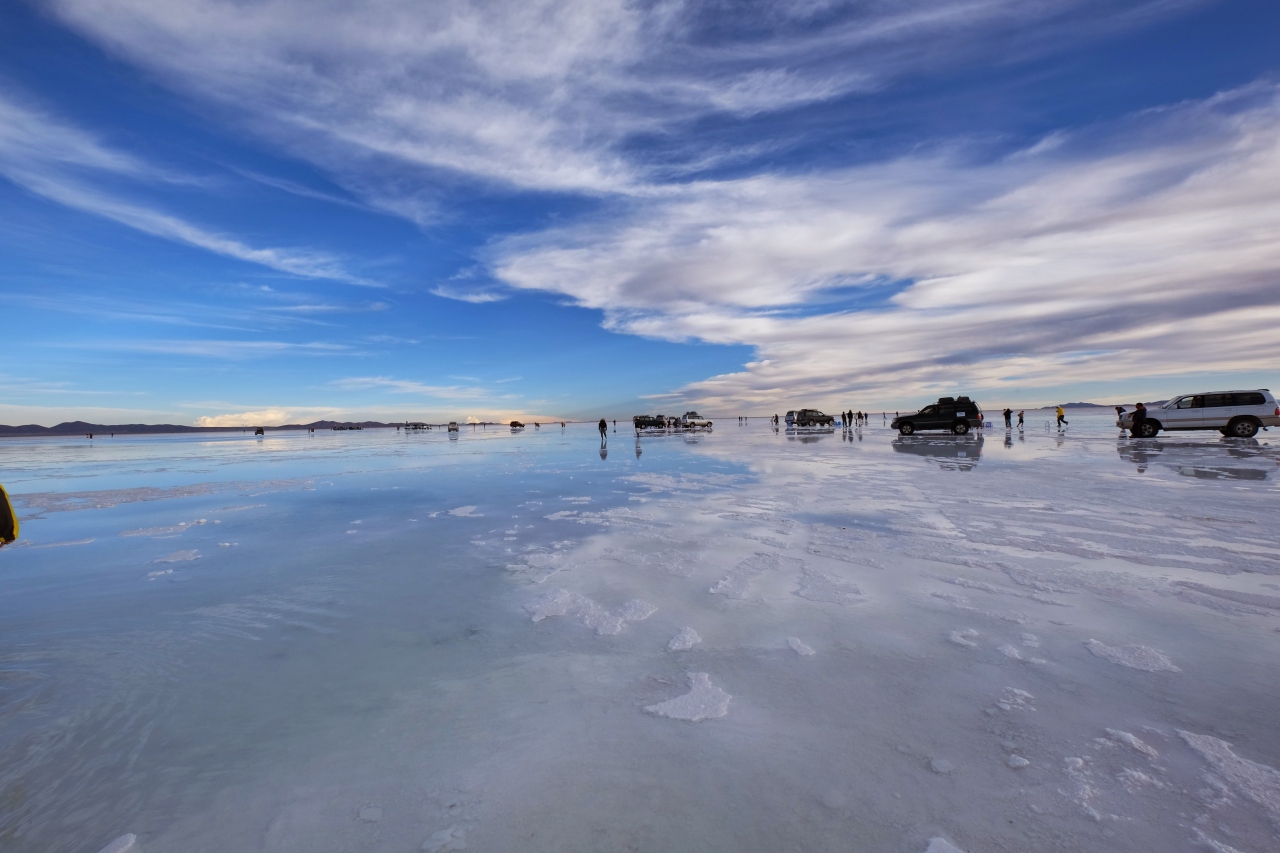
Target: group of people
(1008,418)
(853,418)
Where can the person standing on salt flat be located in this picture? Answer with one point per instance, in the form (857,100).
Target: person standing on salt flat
(1008,418)
(8,520)
(1020,414)
(604,430)
(1062,417)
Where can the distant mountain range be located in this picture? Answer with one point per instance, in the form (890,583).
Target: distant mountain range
(1086,406)
(83,428)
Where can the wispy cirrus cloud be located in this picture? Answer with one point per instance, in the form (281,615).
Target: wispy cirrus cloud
(60,162)
(224,349)
(409,386)
(459,294)
(546,94)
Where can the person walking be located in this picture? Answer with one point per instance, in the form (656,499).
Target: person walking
(604,430)
(1008,418)
(1020,414)
(1062,418)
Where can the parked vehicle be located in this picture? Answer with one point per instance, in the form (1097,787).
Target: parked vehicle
(517,425)
(808,418)
(693,420)
(453,426)
(1239,414)
(649,422)
(955,414)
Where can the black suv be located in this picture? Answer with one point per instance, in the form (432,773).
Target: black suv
(955,414)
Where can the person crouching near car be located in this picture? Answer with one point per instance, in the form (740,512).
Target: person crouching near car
(1139,416)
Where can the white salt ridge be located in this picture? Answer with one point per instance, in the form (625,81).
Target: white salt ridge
(685,639)
(463,512)
(1017,762)
(121,845)
(1014,699)
(452,838)
(938,844)
(704,701)
(1257,782)
(941,765)
(179,557)
(1133,742)
(815,586)
(162,531)
(65,544)
(961,638)
(539,567)
(1009,652)
(799,646)
(736,583)
(589,613)
(1135,657)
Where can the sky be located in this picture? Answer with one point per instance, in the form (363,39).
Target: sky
(228,212)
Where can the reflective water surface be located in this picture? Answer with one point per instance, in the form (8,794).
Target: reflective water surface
(747,639)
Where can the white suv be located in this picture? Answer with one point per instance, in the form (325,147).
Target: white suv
(1238,414)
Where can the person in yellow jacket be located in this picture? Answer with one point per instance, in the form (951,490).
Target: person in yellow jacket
(8,520)
(1062,417)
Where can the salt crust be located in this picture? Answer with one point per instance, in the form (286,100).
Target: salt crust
(685,639)
(589,613)
(704,701)
(122,844)
(1134,657)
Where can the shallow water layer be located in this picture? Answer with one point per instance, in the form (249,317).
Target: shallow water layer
(739,640)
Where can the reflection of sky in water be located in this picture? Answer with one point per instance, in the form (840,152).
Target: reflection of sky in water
(379,641)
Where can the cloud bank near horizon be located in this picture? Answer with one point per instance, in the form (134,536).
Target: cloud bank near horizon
(1144,250)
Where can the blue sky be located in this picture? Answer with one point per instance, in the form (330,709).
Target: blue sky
(270,212)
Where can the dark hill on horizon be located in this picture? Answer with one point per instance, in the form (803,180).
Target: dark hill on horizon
(85,428)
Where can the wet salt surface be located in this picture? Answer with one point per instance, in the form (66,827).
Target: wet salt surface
(739,640)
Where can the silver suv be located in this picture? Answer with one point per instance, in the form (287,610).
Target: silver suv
(1233,413)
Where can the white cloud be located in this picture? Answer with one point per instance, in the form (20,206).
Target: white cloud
(407,386)
(220,349)
(478,297)
(264,418)
(1105,255)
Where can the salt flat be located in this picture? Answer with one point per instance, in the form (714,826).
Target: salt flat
(743,640)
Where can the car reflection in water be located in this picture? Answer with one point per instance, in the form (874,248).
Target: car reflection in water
(1204,460)
(809,435)
(951,452)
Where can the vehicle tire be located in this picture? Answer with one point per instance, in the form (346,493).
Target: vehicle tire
(960,428)
(907,428)
(1242,428)
(1146,429)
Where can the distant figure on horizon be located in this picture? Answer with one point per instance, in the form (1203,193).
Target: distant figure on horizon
(604,431)
(1008,418)
(1062,417)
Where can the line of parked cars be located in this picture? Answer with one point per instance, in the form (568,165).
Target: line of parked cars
(1237,414)
(689,420)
